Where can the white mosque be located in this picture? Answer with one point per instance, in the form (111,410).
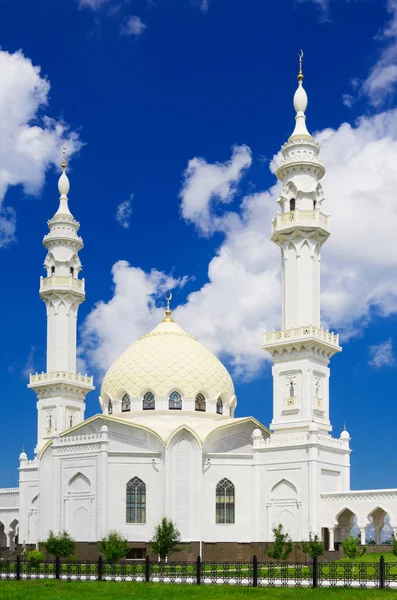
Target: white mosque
(166,442)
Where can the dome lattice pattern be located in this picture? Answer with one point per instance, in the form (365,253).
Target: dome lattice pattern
(165,359)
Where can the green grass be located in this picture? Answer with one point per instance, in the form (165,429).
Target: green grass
(58,590)
(388,556)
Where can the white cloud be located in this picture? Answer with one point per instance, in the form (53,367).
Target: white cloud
(382,354)
(93,4)
(242,297)
(204,5)
(30,141)
(29,365)
(133,26)
(112,326)
(124,212)
(348,100)
(205,185)
(382,79)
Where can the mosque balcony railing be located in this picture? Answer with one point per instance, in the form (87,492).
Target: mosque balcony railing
(62,283)
(301,218)
(301,333)
(64,376)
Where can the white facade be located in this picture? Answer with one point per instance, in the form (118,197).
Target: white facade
(167,442)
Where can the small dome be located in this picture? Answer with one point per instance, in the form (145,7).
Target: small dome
(257,433)
(23,456)
(164,360)
(63,184)
(345,435)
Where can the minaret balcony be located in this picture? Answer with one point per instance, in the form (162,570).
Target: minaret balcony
(300,337)
(61,283)
(301,219)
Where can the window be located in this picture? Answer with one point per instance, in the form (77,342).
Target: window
(126,403)
(175,401)
(136,501)
(149,402)
(219,406)
(200,403)
(72,271)
(292,204)
(314,204)
(52,270)
(110,408)
(225,502)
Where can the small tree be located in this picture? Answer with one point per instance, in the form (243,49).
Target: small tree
(166,538)
(35,558)
(282,546)
(394,542)
(61,545)
(113,547)
(314,547)
(351,547)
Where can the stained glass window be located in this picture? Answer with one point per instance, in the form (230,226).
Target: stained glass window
(110,408)
(219,406)
(200,403)
(225,502)
(136,501)
(126,403)
(175,401)
(149,401)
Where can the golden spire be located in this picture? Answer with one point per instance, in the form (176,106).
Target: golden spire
(168,318)
(64,158)
(300,74)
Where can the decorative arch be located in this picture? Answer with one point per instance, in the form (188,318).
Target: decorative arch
(126,403)
(79,484)
(136,501)
(219,406)
(178,430)
(225,502)
(284,489)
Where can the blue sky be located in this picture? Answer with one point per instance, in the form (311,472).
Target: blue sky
(172,111)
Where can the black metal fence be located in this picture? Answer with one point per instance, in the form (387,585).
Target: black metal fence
(380,575)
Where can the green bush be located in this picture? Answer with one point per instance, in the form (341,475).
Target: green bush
(351,547)
(282,546)
(166,538)
(314,547)
(34,558)
(61,545)
(113,547)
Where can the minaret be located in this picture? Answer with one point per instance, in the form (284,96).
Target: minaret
(61,391)
(302,349)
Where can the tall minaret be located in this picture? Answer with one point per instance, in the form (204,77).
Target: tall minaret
(302,349)
(61,391)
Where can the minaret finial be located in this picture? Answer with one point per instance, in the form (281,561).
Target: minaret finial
(344,426)
(168,318)
(64,158)
(300,74)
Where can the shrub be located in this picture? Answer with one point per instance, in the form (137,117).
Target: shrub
(113,546)
(314,547)
(394,542)
(282,546)
(166,538)
(34,558)
(61,545)
(351,547)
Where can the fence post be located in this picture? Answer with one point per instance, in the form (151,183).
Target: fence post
(254,572)
(57,567)
(315,572)
(100,567)
(382,573)
(147,569)
(198,570)
(18,571)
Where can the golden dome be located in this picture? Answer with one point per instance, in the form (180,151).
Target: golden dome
(165,360)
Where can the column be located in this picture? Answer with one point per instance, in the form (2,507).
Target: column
(331,538)
(103,482)
(10,540)
(362,534)
(378,529)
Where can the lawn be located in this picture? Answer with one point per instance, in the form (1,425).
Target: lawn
(58,590)
(374,557)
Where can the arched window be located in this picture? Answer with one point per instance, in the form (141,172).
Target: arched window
(175,401)
(314,204)
(292,204)
(136,501)
(110,408)
(52,270)
(224,502)
(200,403)
(219,406)
(149,401)
(72,271)
(126,403)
